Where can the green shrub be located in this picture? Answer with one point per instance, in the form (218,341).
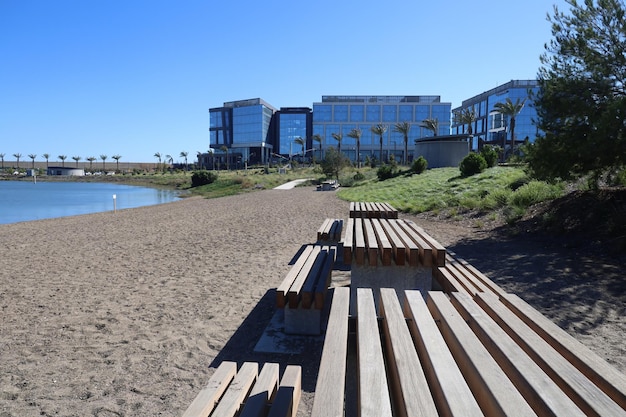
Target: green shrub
(535,192)
(203,177)
(472,164)
(358,176)
(490,153)
(384,172)
(419,165)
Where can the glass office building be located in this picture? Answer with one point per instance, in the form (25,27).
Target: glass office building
(293,123)
(491,127)
(245,127)
(341,114)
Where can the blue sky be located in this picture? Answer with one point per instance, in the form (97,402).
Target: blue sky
(134,77)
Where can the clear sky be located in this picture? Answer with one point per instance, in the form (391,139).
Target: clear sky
(135,77)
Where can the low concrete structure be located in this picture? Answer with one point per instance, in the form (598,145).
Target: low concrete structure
(443,151)
(79,172)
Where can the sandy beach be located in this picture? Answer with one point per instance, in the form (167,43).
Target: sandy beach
(128,313)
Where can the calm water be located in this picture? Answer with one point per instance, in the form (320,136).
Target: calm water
(23,200)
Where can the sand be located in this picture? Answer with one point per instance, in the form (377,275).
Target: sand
(128,313)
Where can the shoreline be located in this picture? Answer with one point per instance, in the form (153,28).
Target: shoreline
(128,314)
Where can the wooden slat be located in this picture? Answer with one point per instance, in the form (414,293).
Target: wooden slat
(412,249)
(231,402)
(451,393)
(206,399)
(283,288)
(494,391)
(384,245)
(409,386)
(392,213)
(371,243)
(538,389)
(373,391)
(307,293)
(352,209)
(449,281)
(262,392)
(335,231)
(322,232)
(398,248)
(476,274)
(289,393)
(587,396)
(310,267)
(359,242)
(439,251)
(324,280)
(331,377)
(607,377)
(425,251)
(348,242)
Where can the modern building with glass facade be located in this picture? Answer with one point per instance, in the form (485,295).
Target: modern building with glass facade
(245,128)
(490,126)
(293,123)
(341,114)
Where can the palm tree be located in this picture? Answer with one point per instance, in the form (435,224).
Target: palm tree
(356,134)
(104,158)
(32,156)
(467,117)
(157,155)
(2,158)
(117,158)
(300,142)
(76,158)
(318,138)
(338,137)
(62,158)
(224,148)
(404,128)
(380,130)
(184,154)
(432,125)
(91,159)
(17,156)
(47,156)
(510,110)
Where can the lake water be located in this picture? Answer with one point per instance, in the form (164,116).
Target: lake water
(24,201)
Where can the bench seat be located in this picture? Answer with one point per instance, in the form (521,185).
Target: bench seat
(458,355)
(458,275)
(330,230)
(372,210)
(248,393)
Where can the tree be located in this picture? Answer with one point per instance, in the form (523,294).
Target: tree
(91,159)
(2,158)
(356,135)
(510,110)
(333,163)
(157,155)
(380,130)
(17,156)
(62,158)
(76,159)
(224,148)
(318,138)
(47,156)
(32,156)
(467,117)
(117,161)
(581,103)
(184,154)
(300,142)
(403,128)
(104,158)
(432,125)
(338,137)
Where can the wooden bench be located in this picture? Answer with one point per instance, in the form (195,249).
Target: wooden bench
(458,275)
(328,185)
(330,230)
(457,355)
(246,393)
(372,210)
(373,241)
(302,293)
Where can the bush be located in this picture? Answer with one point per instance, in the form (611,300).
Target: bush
(472,164)
(203,177)
(384,172)
(535,192)
(490,153)
(419,165)
(358,176)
